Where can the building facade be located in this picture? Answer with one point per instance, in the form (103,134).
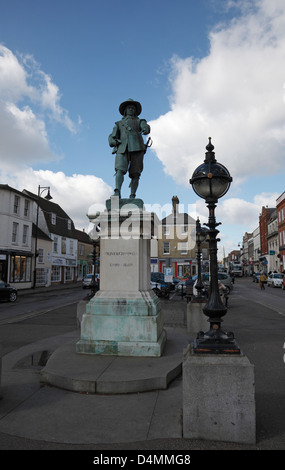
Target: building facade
(280,207)
(273,244)
(264,217)
(58,226)
(177,243)
(84,254)
(16,254)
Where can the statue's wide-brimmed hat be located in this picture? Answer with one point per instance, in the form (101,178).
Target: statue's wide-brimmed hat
(137,105)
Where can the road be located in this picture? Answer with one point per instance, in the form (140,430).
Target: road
(34,303)
(256,317)
(37,315)
(272,297)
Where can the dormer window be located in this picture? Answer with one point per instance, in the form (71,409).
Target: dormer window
(69,224)
(53,218)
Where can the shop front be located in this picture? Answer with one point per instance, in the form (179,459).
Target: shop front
(63,270)
(16,268)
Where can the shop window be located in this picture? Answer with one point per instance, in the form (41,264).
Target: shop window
(20,269)
(41,277)
(68,273)
(55,274)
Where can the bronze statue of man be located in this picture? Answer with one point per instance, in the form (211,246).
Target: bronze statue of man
(129,146)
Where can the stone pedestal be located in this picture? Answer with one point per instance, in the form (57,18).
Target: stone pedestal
(218,398)
(124,318)
(196,319)
(0,371)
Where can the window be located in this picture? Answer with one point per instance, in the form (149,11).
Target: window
(55,245)
(53,218)
(183,247)
(25,234)
(81,250)
(15,232)
(41,277)
(16,205)
(41,255)
(63,245)
(27,208)
(71,247)
(20,269)
(55,274)
(68,273)
(69,224)
(165,230)
(166,248)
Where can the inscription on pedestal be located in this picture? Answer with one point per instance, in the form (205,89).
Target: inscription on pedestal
(120,269)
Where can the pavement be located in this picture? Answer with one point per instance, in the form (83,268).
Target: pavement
(62,416)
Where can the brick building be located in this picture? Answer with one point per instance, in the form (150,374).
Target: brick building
(280,206)
(264,217)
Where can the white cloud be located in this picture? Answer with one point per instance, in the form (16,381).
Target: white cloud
(73,193)
(28,98)
(235,95)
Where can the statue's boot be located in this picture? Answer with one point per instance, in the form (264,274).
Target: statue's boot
(118,183)
(134,186)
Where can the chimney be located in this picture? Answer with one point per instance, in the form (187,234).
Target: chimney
(175,203)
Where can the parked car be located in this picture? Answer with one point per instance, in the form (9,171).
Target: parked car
(159,277)
(8,292)
(223,277)
(160,288)
(87,281)
(181,286)
(275,280)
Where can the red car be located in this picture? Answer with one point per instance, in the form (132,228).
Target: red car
(283,283)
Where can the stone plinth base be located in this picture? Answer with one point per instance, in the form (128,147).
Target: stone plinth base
(0,368)
(123,348)
(124,318)
(196,319)
(124,326)
(218,398)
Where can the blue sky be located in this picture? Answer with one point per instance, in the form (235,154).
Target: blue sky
(199,68)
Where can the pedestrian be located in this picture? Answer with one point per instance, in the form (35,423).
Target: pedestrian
(189,288)
(262,281)
(223,293)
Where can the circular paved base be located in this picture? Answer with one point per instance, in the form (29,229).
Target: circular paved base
(112,374)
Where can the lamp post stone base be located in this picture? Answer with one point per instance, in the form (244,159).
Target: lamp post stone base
(218,398)
(196,320)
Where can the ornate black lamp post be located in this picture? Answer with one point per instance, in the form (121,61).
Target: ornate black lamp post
(201,234)
(48,197)
(210,181)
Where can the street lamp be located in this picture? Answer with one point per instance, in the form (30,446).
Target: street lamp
(201,234)
(48,197)
(211,181)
